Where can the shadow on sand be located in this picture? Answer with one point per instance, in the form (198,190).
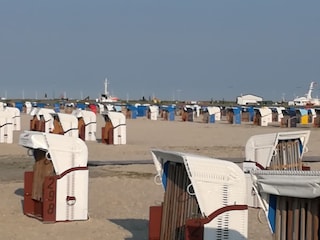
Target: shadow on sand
(137,227)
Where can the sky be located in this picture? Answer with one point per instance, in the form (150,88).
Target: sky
(172,50)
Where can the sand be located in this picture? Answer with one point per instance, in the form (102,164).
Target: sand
(120,194)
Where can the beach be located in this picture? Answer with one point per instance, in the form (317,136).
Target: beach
(121,177)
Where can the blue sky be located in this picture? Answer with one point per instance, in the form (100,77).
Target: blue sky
(182,50)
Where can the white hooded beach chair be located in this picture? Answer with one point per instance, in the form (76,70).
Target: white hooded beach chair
(203,196)
(264,116)
(42,119)
(263,149)
(2,106)
(6,126)
(154,112)
(28,107)
(90,124)
(277,114)
(282,151)
(290,200)
(68,122)
(216,111)
(312,114)
(115,130)
(45,115)
(57,188)
(16,117)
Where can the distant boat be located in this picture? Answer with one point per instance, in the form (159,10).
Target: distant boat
(308,100)
(106,97)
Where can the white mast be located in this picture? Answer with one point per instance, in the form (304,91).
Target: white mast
(106,87)
(310,90)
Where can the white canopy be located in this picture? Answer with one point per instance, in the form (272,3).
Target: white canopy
(301,184)
(64,152)
(260,148)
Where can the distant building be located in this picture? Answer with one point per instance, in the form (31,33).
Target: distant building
(249,100)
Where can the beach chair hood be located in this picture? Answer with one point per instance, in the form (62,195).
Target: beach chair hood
(64,152)
(301,184)
(260,148)
(207,176)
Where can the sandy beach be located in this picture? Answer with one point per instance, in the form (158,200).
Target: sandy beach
(120,194)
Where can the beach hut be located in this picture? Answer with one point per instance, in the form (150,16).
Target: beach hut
(262,149)
(65,124)
(302,116)
(142,110)
(214,114)
(316,122)
(115,129)
(280,151)
(263,116)
(216,111)
(27,107)
(2,106)
(45,116)
(19,105)
(197,110)
(311,115)
(101,107)
(289,118)
(81,105)
(247,114)
(188,113)
(208,116)
(34,122)
(277,113)
(153,112)
(233,115)
(131,112)
(87,124)
(16,118)
(205,198)
(6,126)
(56,107)
(57,188)
(167,112)
(290,200)
(42,120)
(93,108)
(171,112)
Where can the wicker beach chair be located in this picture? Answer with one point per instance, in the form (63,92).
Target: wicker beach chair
(205,198)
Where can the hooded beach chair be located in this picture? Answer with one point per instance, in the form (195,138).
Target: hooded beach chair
(281,151)
(87,124)
(279,182)
(6,126)
(205,198)
(57,188)
(65,124)
(115,129)
(16,118)
(290,200)
(277,150)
